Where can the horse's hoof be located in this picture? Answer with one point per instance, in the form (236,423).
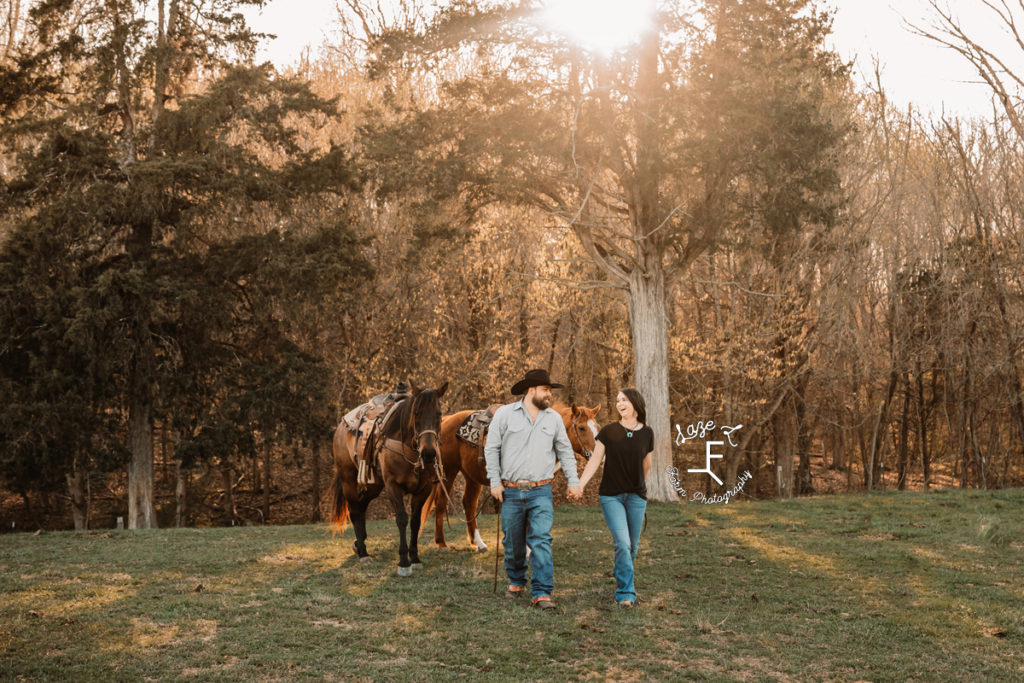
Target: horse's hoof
(365,558)
(482,547)
(443,548)
(405,571)
(417,565)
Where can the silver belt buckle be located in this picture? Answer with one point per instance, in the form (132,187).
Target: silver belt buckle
(524,485)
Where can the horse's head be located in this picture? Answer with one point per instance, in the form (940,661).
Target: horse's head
(581,426)
(425,421)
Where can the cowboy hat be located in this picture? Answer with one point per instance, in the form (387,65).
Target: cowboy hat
(534,378)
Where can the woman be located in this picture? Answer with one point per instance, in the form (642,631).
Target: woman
(626,447)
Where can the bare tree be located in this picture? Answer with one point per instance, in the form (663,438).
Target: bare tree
(993,64)
(11,28)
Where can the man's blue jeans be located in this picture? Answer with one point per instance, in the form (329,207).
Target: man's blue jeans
(526,517)
(624,515)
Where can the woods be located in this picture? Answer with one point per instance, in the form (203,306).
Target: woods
(211,260)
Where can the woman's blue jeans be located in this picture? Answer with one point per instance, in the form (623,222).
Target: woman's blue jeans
(526,517)
(624,515)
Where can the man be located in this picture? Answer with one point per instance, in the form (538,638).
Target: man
(522,443)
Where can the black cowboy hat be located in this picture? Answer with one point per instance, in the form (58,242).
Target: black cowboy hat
(534,378)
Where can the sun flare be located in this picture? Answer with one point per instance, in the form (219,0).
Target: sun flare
(602,26)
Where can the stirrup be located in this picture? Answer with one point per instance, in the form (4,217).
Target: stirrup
(365,475)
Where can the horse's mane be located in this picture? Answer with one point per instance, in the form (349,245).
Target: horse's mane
(405,407)
(398,417)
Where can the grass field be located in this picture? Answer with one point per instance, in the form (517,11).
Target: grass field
(913,586)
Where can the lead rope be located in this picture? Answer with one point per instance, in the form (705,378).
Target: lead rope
(439,466)
(497,542)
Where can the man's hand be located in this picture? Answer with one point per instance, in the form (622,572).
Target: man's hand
(497,493)
(575,493)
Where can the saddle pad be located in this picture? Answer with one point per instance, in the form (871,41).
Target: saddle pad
(368,412)
(474,427)
(354,417)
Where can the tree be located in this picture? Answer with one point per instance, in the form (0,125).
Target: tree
(996,65)
(638,153)
(58,417)
(142,183)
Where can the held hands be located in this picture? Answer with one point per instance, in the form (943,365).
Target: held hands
(574,493)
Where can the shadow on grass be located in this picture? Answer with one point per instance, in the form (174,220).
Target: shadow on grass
(888,587)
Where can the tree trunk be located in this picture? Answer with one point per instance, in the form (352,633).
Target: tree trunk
(647,286)
(554,345)
(804,481)
(649,326)
(875,473)
(166,32)
(163,450)
(77,485)
(316,515)
(784,445)
(902,458)
(609,390)
(266,481)
(141,513)
(13,17)
(181,497)
(229,496)
(524,327)
(922,427)
(977,456)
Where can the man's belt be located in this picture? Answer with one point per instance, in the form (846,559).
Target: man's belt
(525,484)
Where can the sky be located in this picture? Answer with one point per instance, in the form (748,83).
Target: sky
(914,69)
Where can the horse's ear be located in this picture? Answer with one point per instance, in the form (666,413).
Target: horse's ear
(575,410)
(444,388)
(415,387)
(597,409)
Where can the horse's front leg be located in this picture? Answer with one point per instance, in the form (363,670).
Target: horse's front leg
(469,502)
(441,510)
(402,520)
(418,500)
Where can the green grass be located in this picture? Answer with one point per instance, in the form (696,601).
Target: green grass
(913,586)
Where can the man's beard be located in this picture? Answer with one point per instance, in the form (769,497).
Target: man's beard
(541,403)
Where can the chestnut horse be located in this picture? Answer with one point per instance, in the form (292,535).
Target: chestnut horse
(458,456)
(404,460)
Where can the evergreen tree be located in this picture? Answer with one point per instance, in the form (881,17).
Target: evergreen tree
(166,209)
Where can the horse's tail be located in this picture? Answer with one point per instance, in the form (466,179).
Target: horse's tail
(429,504)
(339,506)
(433,501)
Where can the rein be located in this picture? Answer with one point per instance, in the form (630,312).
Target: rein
(576,428)
(450,504)
(579,438)
(412,445)
(418,462)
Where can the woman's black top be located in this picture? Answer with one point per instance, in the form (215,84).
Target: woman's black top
(624,453)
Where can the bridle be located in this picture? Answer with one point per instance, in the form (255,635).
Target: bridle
(417,437)
(579,439)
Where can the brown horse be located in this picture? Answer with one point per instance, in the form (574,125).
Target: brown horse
(458,456)
(404,460)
